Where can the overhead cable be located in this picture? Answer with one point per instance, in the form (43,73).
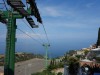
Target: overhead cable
(46,33)
(5,5)
(33,31)
(29,36)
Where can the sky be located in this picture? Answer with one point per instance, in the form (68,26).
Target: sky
(70,25)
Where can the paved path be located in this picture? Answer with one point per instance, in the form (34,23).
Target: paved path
(28,67)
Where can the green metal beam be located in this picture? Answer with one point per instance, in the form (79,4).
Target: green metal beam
(5,15)
(11,17)
(10,42)
(10,46)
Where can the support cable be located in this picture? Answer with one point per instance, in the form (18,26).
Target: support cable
(29,36)
(5,5)
(27,5)
(33,31)
(46,33)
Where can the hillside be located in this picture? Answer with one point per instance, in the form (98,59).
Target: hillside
(22,56)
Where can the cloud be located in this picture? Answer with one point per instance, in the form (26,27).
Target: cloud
(89,5)
(51,11)
(57,11)
(75,25)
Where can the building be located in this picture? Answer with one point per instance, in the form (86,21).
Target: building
(80,52)
(94,53)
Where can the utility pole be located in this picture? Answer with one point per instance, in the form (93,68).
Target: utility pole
(46,54)
(9,18)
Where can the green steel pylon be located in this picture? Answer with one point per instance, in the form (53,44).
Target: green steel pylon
(10,41)
(10,46)
(9,18)
(46,55)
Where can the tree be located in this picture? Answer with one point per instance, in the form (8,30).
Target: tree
(86,52)
(78,56)
(71,52)
(52,65)
(73,66)
(98,40)
(59,73)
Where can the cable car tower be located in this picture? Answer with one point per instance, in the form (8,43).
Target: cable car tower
(46,54)
(9,17)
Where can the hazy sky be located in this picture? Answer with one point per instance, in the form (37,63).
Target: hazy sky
(70,24)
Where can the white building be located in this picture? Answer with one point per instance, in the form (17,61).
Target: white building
(80,52)
(94,53)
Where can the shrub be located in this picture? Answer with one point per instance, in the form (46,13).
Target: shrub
(59,73)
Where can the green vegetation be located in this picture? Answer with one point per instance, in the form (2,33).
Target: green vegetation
(86,52)
(59,73)
(45,72)
(71,52)
(78,56)
(26,56)
(21,57)
(1,60)
(73,65)
(54,64)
